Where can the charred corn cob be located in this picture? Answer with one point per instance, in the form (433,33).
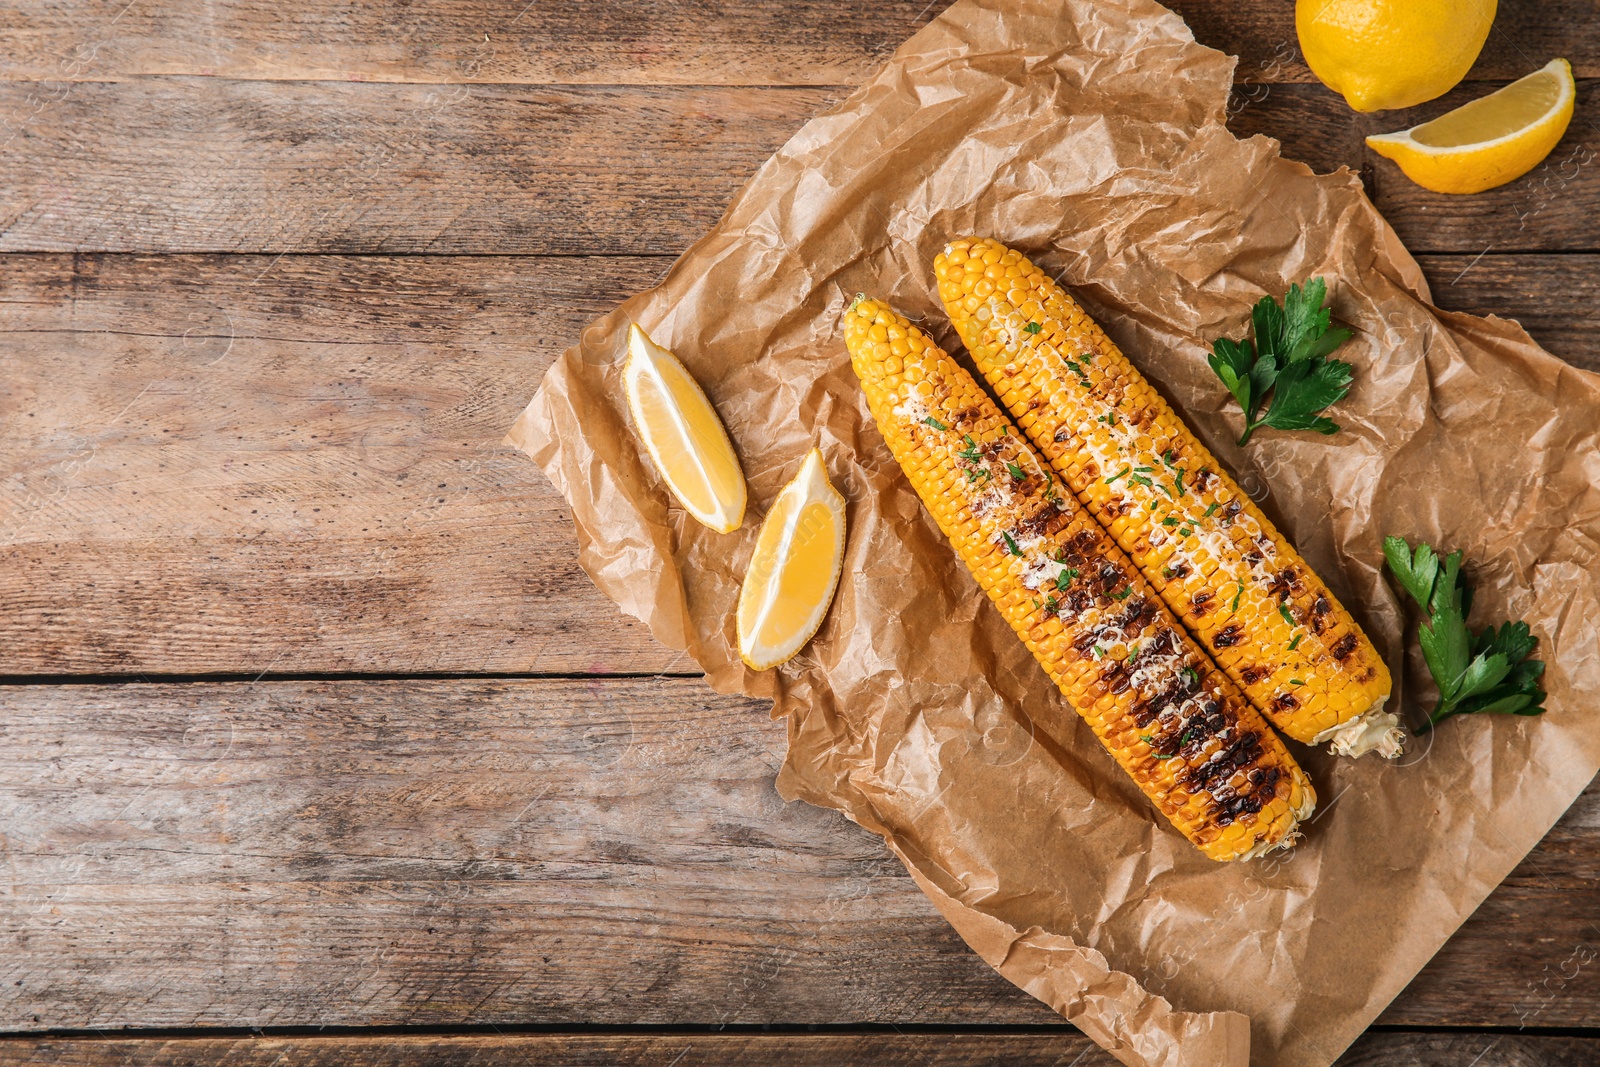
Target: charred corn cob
(1200,752)
(1238,585)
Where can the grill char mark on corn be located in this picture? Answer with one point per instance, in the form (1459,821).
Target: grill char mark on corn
(1209,552)
(1173,721)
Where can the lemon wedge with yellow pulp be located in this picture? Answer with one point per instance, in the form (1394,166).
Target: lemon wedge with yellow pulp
(683,435)
(1490,141)
(1381,54)
(795,569)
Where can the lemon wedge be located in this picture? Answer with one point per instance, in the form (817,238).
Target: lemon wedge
(683,435)
(1491,140)
(795,568)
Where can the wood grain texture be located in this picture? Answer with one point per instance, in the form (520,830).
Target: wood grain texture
(505,41)
(444,853)
(242,464)
(575,1050)
(664,42)
(209,165)
(1550,295)
(737,1049)
(236,464)
(251,464)
(603,852)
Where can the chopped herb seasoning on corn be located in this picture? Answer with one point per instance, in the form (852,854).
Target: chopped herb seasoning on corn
(1197,547)
(1205,758)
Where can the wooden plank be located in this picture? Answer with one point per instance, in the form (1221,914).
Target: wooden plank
(209,165)
(1548,294)
(251,464)
(236,464)
(201,164)
(571,1050)
(737,1049)
(670,41)
(555,852)
(442,853)
(606,43)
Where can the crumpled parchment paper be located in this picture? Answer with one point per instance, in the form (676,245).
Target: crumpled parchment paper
(1091,136)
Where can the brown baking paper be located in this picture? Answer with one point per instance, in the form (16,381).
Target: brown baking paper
(1091,136)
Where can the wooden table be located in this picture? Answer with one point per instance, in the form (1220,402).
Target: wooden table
(316,746)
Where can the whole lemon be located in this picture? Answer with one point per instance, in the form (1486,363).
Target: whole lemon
(1384,54)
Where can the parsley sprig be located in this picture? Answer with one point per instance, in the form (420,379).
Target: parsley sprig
(1488,672)
(1289,359)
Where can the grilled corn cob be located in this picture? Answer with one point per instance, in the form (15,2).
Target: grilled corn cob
(1214,558)
(1200,752)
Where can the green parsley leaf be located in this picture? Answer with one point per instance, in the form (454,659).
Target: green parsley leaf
(1139,479)
(1191,676)
(1075,369)
(1032,327)
(1011,543)
(1288,360)
(1162,755)
(1065,578)
(935,423)
(1491,672)
(1124,595)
